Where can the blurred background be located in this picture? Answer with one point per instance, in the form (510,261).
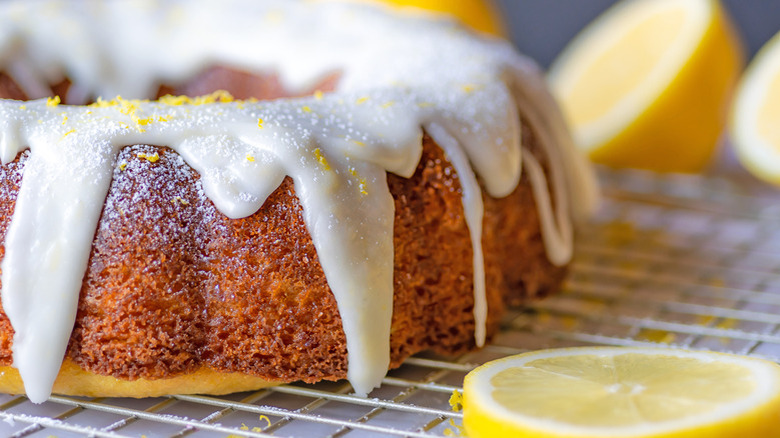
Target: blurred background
(541,28)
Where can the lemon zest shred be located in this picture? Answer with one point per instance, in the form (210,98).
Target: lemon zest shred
(152,158)
(53,101)
(220,96)
(267,420)
(361,181)
(321,159)
(468,88)
(456,401)
(180,201)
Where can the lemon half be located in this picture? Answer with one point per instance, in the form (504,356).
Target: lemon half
(648,83)
(755,121)
(482,15)
(623,392)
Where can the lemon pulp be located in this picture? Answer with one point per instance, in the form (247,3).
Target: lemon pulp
(648,84)
(755,116)
(623,68)
(769,115)
(591,392)
(598,391)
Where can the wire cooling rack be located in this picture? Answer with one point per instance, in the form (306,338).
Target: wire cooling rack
(688,261)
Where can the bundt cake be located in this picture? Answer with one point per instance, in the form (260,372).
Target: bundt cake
(356,193)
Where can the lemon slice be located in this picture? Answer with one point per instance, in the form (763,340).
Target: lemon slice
(482,15)
(648,83)
(755,119)
(623,392)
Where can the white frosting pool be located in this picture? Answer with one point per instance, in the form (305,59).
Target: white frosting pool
(398,75)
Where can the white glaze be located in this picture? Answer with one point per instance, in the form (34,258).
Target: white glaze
(397,75)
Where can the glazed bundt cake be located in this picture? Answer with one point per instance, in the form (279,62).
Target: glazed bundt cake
(365,185)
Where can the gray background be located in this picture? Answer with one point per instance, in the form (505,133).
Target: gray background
(541,28)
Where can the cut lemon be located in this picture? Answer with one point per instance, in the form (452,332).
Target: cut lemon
(482,15)
(755,119)
(648,83)
(623,392)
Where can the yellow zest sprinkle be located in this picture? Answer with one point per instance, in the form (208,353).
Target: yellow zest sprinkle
(67,133)
(250,158)
(362,100)
(318,95)
(456,401)
(468,88)
(358,142)
(179,200)
(321,159)
(53,101)
(306,109)
(217,96)
(152,158)
(266,419)
(361,181)
(174,100)
(425,104)
(23,107)
(260,123)
(122,166)
(128,107)
(64,118)
(388,104)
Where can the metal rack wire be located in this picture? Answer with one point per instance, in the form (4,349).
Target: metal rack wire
(687,261)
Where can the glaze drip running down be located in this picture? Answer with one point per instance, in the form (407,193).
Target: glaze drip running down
(398,76)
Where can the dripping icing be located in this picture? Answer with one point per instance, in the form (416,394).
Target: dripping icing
(465,90)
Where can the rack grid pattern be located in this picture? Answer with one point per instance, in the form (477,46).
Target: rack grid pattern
(686,261)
